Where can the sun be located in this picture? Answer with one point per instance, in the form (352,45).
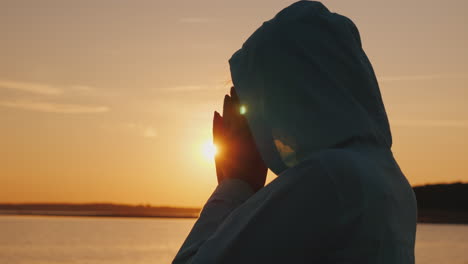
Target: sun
(209,150)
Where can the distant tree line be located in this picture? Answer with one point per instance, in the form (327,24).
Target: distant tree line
(442,203)
(438,203)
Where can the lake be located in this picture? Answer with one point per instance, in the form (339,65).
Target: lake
(65,240)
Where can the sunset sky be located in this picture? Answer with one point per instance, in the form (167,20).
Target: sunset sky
(112,101)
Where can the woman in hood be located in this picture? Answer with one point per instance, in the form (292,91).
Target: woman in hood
(307,105)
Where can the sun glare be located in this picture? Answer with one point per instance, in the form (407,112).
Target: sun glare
(209,150)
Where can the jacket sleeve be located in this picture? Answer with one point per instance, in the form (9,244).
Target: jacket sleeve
(230,194)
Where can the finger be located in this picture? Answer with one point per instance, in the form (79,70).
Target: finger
(225,104)
(227,113)
(217,135)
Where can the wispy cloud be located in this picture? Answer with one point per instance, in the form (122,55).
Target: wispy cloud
(35,88)
(431,123)
(45,89)
(143,130)
(149,132)
(421,77)
(192,88)
(50,107)
(82,88)
(195,20)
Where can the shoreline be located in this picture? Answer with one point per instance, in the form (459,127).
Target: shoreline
(425,217)
(99,215)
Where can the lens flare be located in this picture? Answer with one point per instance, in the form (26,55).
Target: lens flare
(243,110)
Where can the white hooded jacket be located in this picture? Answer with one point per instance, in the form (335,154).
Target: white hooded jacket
(315,111)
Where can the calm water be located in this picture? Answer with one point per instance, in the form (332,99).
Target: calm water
(53,240)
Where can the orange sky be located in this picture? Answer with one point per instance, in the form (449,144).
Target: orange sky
(111,101)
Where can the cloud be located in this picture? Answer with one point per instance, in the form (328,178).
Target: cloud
(194,20)
(45,89)
(82,88)
(143,130)
(149,132)
(422,77)
(431,123)
(185,88)
(192,88)
(50,107)
(36,88)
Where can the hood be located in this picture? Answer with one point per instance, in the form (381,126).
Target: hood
(307,85)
